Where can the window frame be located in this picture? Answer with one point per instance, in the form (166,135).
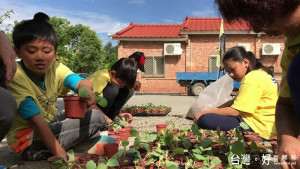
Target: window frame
(154,65)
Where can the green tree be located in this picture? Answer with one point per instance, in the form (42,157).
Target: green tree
(88,55)
(110,52)
(79,46)
(4,16)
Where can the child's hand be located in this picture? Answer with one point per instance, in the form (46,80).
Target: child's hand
(25,138)
(87,94)
(128,117)
(137,86)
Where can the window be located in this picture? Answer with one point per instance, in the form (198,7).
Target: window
(212,67)
(154,66)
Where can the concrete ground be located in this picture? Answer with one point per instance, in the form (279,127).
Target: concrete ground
(179,104)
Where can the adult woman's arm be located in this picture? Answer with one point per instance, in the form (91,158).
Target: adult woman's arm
(287,126)
(7,55)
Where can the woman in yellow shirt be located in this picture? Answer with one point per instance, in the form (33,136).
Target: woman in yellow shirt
(255,102)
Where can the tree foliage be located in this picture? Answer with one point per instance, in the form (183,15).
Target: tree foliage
(111,52)
(79,47)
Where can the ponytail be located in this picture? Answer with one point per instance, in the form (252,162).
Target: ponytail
(238,54)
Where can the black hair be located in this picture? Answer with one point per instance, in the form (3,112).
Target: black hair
(256,12)
(136,55)
(41,16)
(125,70)
(238,54)
(30,30)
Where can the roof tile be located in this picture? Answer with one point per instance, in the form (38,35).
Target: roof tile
(173,30)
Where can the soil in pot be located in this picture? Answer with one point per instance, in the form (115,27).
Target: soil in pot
(75,107)
(123,162)
(110,149)
(84,158)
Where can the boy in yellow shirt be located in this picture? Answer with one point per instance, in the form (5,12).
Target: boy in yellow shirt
(38,82)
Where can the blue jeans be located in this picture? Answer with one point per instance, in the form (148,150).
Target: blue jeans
(212,121)
(293,80)
(70,132)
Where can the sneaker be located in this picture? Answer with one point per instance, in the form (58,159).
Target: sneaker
(34,155)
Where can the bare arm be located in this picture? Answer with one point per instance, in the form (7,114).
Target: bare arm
(286,119)
(7,55)
(43,131)
(287,126)
(227,104)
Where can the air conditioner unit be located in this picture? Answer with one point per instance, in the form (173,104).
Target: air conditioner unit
(270,49)
(245,45)
(172,49)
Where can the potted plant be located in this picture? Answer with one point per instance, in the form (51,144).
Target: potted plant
(110,163)
(161,127)
(57,162)
(75,106)
(140,144)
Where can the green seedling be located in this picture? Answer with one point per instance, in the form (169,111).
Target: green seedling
(83,93)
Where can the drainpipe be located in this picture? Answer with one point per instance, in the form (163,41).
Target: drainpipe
(190,54)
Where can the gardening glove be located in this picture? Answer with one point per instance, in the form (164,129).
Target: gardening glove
(25,138)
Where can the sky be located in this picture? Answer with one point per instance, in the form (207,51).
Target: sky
(106,17)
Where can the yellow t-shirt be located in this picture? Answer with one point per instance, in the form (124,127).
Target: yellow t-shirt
(292,47)
(22,87)
(99,80)
(257,99)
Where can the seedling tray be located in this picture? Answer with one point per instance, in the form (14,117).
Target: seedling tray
(152,114)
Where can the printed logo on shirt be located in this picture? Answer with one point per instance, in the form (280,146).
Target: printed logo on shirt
(274,80)
(46,102)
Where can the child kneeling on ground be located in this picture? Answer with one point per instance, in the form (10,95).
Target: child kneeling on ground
(110,82)
(38,131)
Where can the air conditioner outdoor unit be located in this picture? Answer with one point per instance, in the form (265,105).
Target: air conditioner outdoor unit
(172,49)
(245,45)
(270,49)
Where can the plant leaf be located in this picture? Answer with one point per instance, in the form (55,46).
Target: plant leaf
(101,166)
(238,148)
(70,154)
(101,101)
(151,138)
(195,130)
(244,125)
(125,143)
(134,133)
(90,165)
(178,151)
(83,93)
(187,143)
(215,161)
(112,163)
(171,164)
(206,142)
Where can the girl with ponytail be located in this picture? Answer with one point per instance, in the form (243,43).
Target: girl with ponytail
(256,99)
